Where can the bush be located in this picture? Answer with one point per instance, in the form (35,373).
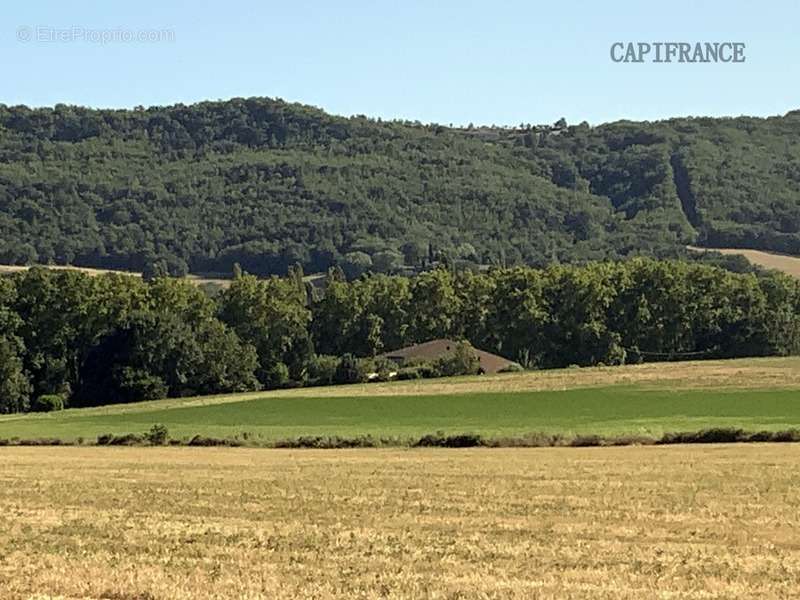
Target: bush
(462,361)
(382,367)
(201,440)
(48,403)
(158,435)
(322,369)
(126,439)
(788,435)
(136,385)
(586,441)
(439,439)
(42,442)
(717,435)
(407,373)
(426,370)
(349,370)
(277,375)
(328,442)
(512,368)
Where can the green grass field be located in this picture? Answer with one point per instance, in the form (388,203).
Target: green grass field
(751,397)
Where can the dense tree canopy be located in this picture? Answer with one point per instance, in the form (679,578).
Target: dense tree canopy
(117,338)
(269,184)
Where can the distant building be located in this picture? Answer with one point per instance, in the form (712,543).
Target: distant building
(434,349)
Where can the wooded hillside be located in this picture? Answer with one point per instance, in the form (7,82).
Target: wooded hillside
(269,184)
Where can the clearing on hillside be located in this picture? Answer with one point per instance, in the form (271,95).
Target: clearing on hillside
(769,260)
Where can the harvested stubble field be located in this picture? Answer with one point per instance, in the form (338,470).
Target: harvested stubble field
(179,523)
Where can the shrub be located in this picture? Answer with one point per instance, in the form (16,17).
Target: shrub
(48,403)
(717,435)
(136,385)
(462,361)
(41,442)
(512,368)
(328,442)
(201,440)
(585,441)
(322,369)
(630,440)
(349,370)
(789,435)
(439,439)
(426,370)
(158,435)
(277,375)
(126,439)
(381,367)
(406,373)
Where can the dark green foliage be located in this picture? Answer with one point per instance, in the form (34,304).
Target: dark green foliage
(442,440)
(109,339)
(407,373)
(48,403)
(271,315)
(129,385)
(201,440)
(461,361)
(126,439)
(379,368)
(723,435)
(328,442)
(322,369)
(99,340)
(14,385)
(606,313)
(277,375)
(158,435)
(463,440)
(266,185)
(349,370)
(586,441)
(158,354)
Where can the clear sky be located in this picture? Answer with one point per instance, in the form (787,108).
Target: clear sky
(446,61)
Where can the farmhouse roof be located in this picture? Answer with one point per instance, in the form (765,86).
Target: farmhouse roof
(490,363)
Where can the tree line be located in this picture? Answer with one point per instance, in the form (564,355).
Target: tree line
(69,339)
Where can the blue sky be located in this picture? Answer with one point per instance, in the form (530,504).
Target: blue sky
(446,61)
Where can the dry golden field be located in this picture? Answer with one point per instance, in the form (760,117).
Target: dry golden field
(195,279)
(769,260)
(164,523)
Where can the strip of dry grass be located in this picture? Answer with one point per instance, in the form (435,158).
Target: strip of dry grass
(195,279)
(677,522)
(769,260)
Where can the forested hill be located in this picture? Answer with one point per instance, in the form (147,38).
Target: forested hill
(269,184)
